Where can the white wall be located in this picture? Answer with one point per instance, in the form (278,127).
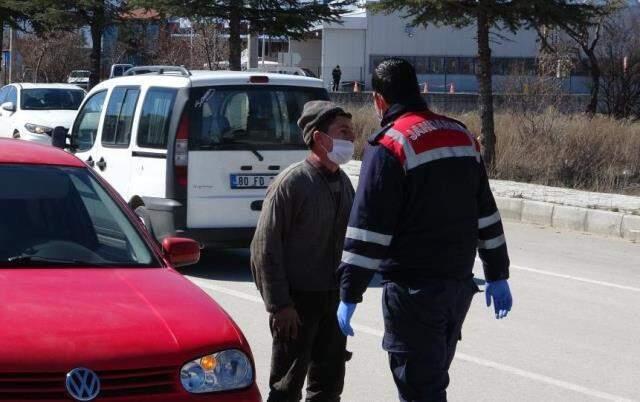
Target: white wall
(347,48)
(306,54)
(387,34)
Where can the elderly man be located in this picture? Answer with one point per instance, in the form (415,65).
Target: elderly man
(294,256)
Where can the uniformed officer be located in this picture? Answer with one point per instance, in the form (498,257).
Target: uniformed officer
(422,209)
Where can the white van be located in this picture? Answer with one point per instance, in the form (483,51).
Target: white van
(194,151)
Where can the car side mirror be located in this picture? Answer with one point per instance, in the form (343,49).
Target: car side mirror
(180,251)
(59,137)
(9,107)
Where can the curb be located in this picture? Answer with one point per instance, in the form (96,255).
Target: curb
(612,224)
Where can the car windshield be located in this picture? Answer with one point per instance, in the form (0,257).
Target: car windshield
(51,99)
(80,74)
(249,117)
(52,216)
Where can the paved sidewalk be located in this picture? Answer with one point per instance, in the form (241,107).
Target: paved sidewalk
(584,211)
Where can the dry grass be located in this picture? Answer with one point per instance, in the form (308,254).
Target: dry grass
(599,154)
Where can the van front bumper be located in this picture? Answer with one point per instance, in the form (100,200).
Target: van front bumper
(169,217)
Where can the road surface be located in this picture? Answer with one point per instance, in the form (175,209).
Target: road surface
(573,334)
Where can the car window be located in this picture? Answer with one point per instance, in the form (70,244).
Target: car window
(3,94)
(12,96)
(249,116)
(85,127)
(51,99)
(155,119)
(118,120)
(64,214)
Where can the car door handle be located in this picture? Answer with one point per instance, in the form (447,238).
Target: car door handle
(102,164)
(90,162)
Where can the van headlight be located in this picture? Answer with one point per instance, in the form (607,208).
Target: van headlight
(37,129)
(222,371)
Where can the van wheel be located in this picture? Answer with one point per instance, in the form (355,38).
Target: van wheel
(143,215)
(16,134)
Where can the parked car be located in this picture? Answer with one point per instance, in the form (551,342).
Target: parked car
(118,70)
(31,111)
(193,152)
(79,78)
(92,307)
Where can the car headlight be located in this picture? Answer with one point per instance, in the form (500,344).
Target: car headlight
(38,129)
(222,371)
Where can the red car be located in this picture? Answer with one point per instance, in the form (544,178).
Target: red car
(90,306)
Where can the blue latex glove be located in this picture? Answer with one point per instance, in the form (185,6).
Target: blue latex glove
(501,295)
(345,312)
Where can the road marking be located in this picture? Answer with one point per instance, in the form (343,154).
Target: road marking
(571,277)
(459,356)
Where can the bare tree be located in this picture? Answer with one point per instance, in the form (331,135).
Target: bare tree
(620,56)
(211,48)
(585,38)
(50,56)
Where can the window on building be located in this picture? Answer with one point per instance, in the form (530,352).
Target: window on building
(466,66)
(436,65)
(422,64)
(452,64)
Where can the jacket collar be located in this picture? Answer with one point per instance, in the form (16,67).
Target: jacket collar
(396,110)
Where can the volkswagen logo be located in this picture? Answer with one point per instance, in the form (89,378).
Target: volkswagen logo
(83,384)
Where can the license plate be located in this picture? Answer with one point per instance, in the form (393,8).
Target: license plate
(251,180)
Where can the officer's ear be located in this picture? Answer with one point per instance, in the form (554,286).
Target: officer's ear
(380,103)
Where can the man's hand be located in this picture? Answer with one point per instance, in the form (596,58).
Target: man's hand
(345,312)
(285,323)
(502,301)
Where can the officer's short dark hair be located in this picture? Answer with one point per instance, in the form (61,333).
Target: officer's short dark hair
(395,79)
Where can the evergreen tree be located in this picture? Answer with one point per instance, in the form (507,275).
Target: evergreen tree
(45,16)
(292,18)
(488,15)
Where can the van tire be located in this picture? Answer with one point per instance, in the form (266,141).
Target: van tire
(144,216)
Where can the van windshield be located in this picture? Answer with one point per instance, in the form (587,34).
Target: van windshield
(249,117)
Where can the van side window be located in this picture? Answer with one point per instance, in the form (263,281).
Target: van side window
(85,127)
(153,131)
(119,118)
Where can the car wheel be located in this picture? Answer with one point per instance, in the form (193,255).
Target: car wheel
(16,135)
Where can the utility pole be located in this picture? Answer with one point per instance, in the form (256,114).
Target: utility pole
(263,48)
(10,55)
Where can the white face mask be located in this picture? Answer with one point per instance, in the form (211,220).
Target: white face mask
(342,151)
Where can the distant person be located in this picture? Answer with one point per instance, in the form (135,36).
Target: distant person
(337,76)
(422,210)
(294,257)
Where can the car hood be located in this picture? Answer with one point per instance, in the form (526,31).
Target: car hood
(107,319)
(50,118)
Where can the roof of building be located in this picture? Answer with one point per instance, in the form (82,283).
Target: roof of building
(30,153)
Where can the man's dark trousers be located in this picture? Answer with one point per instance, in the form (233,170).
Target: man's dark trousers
(422,328)
(319,352)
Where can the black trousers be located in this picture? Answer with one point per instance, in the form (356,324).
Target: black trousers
(335,85)
(422,328)
(319,353)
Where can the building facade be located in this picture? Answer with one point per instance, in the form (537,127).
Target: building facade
(445,57)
